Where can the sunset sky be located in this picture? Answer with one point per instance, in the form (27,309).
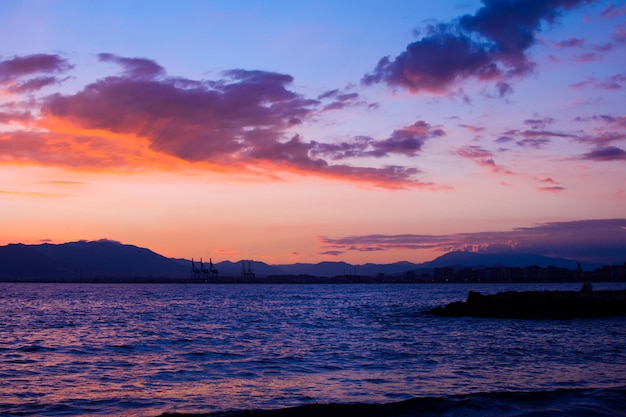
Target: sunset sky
(305,131)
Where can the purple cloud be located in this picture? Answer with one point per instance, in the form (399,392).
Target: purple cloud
(588,57)
(244,120)
(539,123)
(569,43)
(341,99)
(405,141)
(536,138)
(611,11)
(536,143)
(587,240)
(553,189)
(615,82)
(619,121)
(20,74)
(408,140)
(619,34)
(134,67)
(481,157)
(332,252)
(608,153)
(489,45)
(13,116)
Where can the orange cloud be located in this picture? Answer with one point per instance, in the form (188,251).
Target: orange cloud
(142,119)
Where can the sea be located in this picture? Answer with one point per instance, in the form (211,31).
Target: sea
(297,350)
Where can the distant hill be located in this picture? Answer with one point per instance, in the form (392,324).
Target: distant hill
(475,259)
(101,258)
(110,259)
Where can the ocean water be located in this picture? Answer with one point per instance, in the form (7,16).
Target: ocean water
(152,349)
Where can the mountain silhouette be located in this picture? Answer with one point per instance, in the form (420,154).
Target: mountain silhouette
(476,259)
(102,258)
(110,259)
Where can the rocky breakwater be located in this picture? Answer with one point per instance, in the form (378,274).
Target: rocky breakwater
(537,305)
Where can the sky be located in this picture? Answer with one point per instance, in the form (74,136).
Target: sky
(279,131)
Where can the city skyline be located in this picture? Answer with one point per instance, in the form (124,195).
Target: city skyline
(360,131)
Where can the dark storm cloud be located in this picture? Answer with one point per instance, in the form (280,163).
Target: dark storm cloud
(587,240)
(489,45)
(23,74)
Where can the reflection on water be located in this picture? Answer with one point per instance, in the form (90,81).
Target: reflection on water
(102,348)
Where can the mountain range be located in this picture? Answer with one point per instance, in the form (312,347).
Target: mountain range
(110,259)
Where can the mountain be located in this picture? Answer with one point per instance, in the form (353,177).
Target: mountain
(233,269)
(110,259)
(322,269)
(482,260)
(18,261)
(102,258)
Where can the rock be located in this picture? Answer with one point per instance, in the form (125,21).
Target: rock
(537,305)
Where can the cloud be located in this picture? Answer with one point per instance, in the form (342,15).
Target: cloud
(22,74)
(601,241)
(619,121)
(340,99)
(245,121)
(30,194)
(332,252)
(536,137)
(539,123)
(588,57)
(482,157)
(19,117)
(607,153)
(606,130)
(619,34)
(536,143)
(553,189)
(504,89)
(488,45)
(614,82)
(568,43)
(472,128)
(611,11)
(139,68)
(407,141)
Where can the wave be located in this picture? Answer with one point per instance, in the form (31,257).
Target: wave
(565,402)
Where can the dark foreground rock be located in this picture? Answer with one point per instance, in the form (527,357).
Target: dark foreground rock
(538,305)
